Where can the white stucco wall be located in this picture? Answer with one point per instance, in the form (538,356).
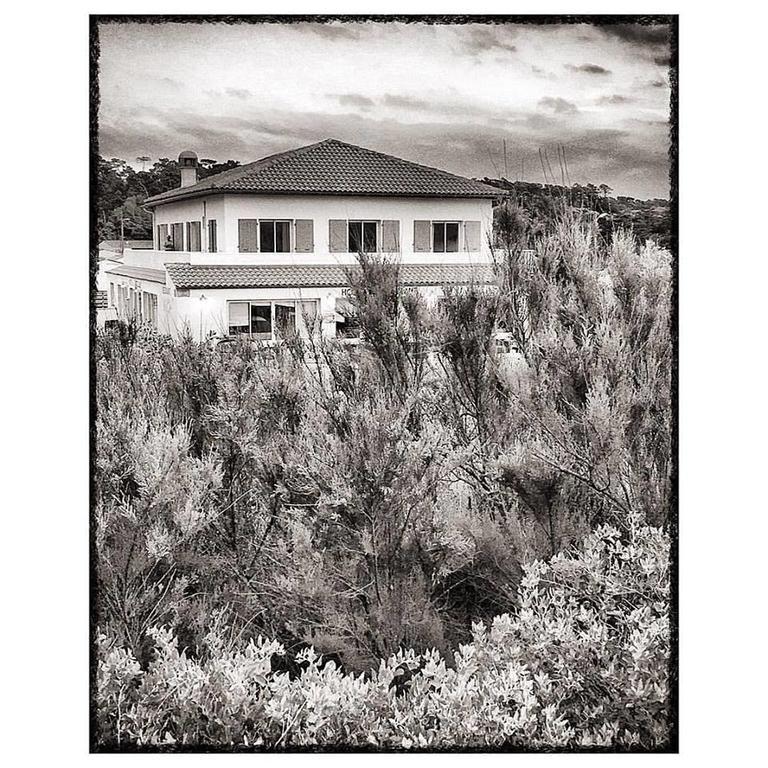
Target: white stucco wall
(227,209)
(180,313)
(210,315)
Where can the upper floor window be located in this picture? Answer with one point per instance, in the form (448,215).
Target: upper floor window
(445,236)
(363,236)
(275,236)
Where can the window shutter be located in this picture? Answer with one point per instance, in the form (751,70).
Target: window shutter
(193,236)
(247,235)
(212,246)
(177,232)
(390,236)
(472,235)
(337,236)
(305,235)
(422,236)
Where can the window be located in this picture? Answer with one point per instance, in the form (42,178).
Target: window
(111,294)
(270,320)
(212,244)
(445,236)
(275,236)
(177,237)
(309,315)
(285,318)
(193,236)
(251,318)
(362,236)
(239,317)
(261,321)
(149,309)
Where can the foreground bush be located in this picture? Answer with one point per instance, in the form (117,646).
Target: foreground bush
(582,663)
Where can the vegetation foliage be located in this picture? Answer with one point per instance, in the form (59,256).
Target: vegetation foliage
(445,544)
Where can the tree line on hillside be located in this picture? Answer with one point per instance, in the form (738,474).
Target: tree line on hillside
(121,191)
(646,219)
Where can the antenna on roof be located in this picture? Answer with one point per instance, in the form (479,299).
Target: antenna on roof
(506,167)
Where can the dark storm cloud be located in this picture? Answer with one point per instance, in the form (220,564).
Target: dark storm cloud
(488,39)
(589,69)
(615,98)
(353,100)
(594,155)
(643,34)
(558,105)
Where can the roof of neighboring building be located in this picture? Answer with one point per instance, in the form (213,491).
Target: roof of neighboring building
(117,245)
(316,275)
(101,300)
(332,167)
(139,273)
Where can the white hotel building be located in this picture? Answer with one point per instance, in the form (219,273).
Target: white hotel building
(260,248)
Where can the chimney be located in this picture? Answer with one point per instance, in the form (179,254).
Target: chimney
(188,168)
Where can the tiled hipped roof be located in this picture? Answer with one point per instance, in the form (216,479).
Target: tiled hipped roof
(316,275)
(332,167)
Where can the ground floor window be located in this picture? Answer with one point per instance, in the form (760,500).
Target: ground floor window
(273,320)
(149,308)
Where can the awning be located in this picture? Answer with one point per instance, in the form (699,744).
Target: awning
(345,307)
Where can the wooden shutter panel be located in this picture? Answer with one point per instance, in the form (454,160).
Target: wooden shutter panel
(422,236)
(177,232)
(390,236)
(305,236)
(337,236)
(247,235)
(472,235)
(193,236)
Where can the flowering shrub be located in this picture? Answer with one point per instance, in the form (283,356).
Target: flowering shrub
(582,663)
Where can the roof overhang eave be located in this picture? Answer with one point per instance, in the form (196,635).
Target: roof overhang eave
(149,203)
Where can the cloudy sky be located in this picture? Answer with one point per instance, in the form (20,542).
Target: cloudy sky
(442,95)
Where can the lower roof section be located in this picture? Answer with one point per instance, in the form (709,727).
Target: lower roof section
(139,273)
(317,275)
